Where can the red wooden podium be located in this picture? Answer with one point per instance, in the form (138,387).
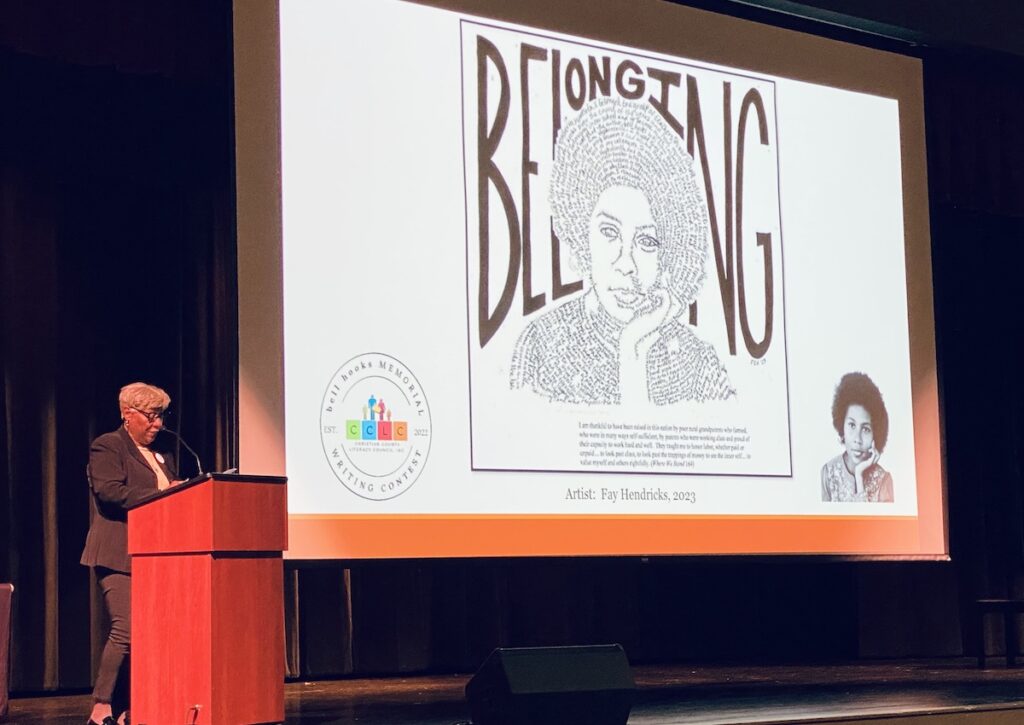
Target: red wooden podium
(208,602)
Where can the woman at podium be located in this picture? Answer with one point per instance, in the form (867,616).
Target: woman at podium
(126,466)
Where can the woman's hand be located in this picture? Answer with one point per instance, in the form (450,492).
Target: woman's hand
(639,336)
(858,470)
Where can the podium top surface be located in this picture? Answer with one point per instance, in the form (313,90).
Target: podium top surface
(204,477)
(213,513)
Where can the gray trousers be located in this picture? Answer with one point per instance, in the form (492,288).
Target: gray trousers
(112,684)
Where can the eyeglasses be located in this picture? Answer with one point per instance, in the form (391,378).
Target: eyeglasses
(161,414)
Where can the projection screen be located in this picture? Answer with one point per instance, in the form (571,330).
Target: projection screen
(644,280)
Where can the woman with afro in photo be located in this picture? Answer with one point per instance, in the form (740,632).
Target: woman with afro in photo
(862,422)
(626,201)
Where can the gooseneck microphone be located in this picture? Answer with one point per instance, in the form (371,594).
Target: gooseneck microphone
(187,447)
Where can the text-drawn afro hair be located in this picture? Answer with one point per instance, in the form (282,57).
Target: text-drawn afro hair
(859,389)
(613,142)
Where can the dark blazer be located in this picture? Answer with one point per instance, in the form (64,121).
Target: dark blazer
(119,477)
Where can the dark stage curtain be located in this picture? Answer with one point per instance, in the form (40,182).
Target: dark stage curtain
(975,113)
(974,107)
(117,242)
(116,264)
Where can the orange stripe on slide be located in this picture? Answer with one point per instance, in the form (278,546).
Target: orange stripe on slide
(415,536)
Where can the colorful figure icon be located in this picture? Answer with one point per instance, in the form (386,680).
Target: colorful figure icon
(376,424)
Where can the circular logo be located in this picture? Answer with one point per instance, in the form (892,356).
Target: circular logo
(375,426)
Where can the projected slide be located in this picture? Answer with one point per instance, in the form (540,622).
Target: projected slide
(549,294)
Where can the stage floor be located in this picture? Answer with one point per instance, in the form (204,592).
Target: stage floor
(911,693)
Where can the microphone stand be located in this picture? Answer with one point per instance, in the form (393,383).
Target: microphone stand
(187,447)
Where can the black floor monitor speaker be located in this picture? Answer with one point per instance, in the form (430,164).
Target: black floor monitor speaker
(552,686)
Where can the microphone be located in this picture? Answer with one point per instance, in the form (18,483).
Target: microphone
(187,447)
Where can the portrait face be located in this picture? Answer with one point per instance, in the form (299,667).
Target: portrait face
(858,435)
(624,251)
(143,426)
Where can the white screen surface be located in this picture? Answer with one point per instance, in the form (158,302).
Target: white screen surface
(495,408)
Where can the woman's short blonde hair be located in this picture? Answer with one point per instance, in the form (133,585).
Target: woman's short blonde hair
(143,397)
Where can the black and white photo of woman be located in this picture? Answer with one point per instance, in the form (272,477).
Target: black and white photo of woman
(862,422)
